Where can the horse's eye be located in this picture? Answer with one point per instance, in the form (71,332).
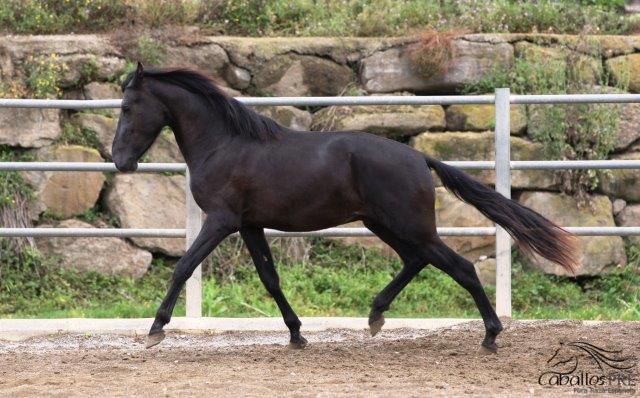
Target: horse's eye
(125,108)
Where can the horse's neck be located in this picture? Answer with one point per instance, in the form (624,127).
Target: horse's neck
(198,131)
(196,141)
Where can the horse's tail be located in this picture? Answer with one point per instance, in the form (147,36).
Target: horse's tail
(532,232)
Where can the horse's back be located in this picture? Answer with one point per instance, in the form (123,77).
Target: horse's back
(394,183)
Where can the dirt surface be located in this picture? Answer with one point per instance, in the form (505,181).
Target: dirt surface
(446,362)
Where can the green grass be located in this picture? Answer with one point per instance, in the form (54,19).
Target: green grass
(34,287)
(336,281)
(318,18)
(340,282)
(345,284)
(615,295)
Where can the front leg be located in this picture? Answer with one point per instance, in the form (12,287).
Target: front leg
(216,227)
(261,254)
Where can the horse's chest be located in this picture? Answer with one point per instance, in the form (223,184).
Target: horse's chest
(211,192)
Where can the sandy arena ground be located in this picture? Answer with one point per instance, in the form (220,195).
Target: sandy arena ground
(406,362)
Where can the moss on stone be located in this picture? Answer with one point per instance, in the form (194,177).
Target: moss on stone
(482,117)
(385,120)
(626,71)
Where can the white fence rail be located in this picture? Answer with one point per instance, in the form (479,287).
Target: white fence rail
(502,165)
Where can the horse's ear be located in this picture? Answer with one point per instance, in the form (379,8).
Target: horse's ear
(136,78)
(139,71)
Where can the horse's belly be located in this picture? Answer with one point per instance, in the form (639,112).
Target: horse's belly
(302,213)
(306,224)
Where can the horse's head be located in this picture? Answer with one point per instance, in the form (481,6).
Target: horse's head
(564,360)
(141,119)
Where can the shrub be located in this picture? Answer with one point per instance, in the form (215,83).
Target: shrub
(13,88)
(433,52)
(574,132)
(88,71)
(551,16)
(318,18)
(150,51)
(15,195)
(72,134)
(44,74)
(11,182)
(155,13)
(57,16)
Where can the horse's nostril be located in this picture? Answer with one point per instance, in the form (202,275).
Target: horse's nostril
(127,166)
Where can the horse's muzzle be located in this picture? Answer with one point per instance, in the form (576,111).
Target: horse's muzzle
(126,167)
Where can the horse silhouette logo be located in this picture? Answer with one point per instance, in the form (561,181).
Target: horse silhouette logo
(582,364)
(567,357)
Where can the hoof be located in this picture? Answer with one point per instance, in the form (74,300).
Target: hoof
(376,324)
(487,348)
(154,339)
(298,344)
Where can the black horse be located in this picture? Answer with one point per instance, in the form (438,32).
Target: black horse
(249,173)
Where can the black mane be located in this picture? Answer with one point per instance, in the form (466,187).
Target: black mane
(242,120)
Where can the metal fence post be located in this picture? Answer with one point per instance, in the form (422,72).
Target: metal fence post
(503,186)
(193,226)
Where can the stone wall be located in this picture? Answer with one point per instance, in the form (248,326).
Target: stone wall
(318,67)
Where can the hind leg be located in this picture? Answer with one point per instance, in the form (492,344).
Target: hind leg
(462,271)
(413,264)
(383,300)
